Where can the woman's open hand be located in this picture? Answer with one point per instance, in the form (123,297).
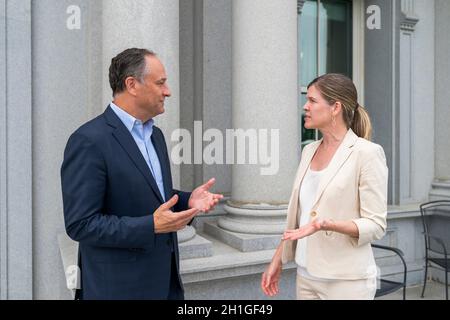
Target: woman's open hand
(307,230)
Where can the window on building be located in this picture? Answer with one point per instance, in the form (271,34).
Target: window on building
(326,45)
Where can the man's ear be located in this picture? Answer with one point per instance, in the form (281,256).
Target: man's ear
(131,86)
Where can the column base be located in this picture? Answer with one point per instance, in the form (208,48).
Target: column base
(254,219)
(440,190)
(197,247)
(249,227)
(243,242)
(191,245)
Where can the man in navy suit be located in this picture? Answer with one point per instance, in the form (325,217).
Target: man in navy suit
(119,203)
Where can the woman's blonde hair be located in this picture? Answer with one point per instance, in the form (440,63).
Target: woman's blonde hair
(336,87)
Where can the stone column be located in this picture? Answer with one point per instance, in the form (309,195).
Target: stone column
(66,85)
(382,57)
(153,25)
(407,105)
(16,206)
(205,83)
(264,96)
(441,185)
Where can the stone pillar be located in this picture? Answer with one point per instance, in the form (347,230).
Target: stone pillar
(16,207)
(264,96)
(205,83)
(153,25)
(381,56)
(441,185)
(67,84)
(408,22)
(417,78)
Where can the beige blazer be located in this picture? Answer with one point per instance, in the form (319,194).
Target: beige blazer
(354,187)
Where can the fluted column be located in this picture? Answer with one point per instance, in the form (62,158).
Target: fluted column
(264,97)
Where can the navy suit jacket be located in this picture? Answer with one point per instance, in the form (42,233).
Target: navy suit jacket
(109,197)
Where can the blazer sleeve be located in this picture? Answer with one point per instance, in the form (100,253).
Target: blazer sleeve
(373,197)
(83,182)
(183,200)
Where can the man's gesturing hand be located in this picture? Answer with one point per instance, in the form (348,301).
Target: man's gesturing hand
(204,200)
(166,221)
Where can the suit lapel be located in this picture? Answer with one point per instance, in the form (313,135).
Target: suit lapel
(126,141)
(164,163)
(304,164)
(339,158)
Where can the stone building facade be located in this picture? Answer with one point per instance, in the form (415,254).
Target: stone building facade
(232,64)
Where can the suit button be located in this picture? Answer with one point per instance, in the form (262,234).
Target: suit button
(313,214)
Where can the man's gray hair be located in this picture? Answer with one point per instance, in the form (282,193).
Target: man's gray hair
(128,63)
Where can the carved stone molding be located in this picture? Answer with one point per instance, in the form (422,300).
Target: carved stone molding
(440,190)
(300,4)
(409,19)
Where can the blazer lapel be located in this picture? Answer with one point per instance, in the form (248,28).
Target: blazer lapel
(304,164)
(339,158)
(289,247)
(164,163)
(125,139)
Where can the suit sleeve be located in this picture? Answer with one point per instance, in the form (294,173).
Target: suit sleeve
(83,181)
(183,200)
(373,198)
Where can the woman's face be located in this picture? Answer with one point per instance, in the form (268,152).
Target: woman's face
(318,113)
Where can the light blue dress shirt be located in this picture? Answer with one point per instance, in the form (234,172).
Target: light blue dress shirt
(142,133)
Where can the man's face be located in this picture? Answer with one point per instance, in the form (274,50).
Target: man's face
(151,93)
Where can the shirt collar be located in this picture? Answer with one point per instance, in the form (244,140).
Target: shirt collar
(128,120)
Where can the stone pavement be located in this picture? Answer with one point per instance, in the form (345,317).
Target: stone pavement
(433,291)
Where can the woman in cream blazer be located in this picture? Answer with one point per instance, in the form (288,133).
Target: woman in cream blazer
(341,184)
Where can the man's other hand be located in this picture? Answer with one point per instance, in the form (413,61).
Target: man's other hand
(166,221)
